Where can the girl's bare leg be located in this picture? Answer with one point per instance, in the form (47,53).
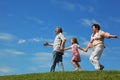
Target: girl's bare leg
(74,64)
(78,66)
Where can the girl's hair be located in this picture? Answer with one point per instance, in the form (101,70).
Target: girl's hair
(75,40)
(96,26)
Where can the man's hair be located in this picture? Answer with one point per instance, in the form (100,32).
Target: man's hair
(96,26)
(60,29)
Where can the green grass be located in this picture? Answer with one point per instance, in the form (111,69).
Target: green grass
(80,75)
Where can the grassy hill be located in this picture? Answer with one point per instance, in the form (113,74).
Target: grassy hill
(80,75)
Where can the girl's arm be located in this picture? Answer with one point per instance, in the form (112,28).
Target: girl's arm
(83,49)
(67,48)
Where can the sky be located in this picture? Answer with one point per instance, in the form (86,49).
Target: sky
(26,24)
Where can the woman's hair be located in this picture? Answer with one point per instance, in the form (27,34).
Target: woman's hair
(96,26)
(75,40)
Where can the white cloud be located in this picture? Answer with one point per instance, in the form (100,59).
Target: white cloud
(42,56)
(41,39)
(36,39)
(85,43)
(35,19)
(38,20)
(6,36)
(64,4)
(11,51)
(68,37)
(91,9)
(86,8)
(115,19)
(43,59)
(5,69)
(68,5)
(32,68)
(89,22)
(21,41)
(81,7)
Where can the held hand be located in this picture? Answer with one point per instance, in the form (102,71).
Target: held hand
(86,50)
(62,48)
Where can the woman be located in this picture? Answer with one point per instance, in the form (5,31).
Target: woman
(97,43)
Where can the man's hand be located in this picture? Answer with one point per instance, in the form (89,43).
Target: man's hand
(46,44)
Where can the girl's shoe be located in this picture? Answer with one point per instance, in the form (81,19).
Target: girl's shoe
(78,69)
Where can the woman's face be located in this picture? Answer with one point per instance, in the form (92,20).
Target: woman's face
(94,29)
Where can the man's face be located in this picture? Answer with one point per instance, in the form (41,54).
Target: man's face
(57,30)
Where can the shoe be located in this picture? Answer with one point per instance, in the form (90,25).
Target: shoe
(78,69)
(101,67)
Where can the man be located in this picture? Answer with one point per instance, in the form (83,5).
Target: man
(58,49)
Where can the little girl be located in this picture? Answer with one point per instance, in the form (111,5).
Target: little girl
(75,53)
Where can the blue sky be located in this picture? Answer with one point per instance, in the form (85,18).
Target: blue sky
(26,24)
